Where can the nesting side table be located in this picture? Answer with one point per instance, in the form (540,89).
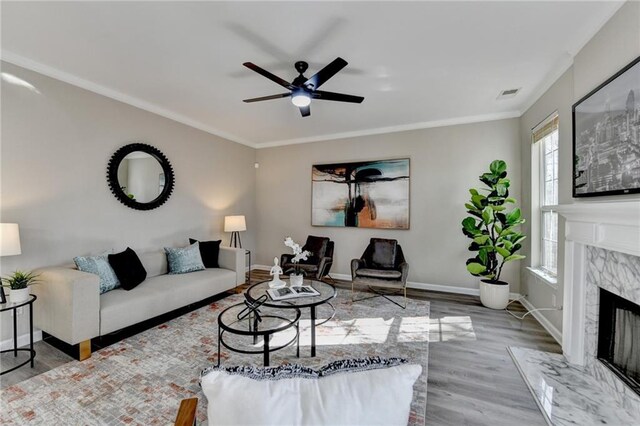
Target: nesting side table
(5,307)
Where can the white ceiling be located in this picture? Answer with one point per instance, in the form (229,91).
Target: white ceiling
(418,64)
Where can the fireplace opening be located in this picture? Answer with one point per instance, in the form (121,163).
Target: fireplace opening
(619,337)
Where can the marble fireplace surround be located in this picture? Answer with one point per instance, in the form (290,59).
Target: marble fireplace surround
(602,249)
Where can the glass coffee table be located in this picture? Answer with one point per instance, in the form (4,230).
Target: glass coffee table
(264,321)
(327,293)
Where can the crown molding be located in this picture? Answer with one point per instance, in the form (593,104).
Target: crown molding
(52,72)
(394,129)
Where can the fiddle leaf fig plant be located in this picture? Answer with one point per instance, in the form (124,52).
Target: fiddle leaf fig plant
(492,225)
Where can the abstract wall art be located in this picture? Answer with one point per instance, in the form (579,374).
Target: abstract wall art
(363,194)
(606,137)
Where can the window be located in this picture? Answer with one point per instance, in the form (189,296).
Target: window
(545,139)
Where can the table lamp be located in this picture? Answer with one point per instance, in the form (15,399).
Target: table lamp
(9,239)
(9,246)
(235,224)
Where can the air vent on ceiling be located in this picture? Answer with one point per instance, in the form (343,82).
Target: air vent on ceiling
(509,93)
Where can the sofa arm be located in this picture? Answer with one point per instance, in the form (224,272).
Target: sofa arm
(233,259)
(355,265)
(404,269)
(324,267)
(68,305)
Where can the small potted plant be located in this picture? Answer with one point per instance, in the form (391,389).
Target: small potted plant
(492,227)
(297,277)
(18,284)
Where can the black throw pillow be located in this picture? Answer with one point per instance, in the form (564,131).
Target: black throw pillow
(128,268)
(209,251)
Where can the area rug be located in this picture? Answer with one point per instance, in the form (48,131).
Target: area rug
(141,380)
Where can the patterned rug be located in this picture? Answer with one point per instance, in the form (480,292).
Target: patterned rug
(142,379)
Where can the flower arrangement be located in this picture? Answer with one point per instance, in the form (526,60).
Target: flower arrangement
(298,254)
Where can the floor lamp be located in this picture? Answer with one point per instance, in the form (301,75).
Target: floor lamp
(235,224)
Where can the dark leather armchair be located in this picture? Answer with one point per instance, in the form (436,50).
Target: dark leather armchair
(382,265)
(318,264)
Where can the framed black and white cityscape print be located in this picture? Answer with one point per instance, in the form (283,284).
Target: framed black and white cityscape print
(606,137)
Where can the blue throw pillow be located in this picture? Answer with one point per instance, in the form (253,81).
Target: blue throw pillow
(99,265)
(183,260)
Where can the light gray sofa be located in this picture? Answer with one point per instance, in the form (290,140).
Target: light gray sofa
(71,309)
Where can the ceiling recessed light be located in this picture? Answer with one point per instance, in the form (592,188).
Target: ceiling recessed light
(508,93)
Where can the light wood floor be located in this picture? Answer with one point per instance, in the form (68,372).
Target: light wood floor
(472,379)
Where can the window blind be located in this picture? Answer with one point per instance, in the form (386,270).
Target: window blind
(545,128)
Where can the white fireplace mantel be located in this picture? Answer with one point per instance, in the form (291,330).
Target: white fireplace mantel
(608,225)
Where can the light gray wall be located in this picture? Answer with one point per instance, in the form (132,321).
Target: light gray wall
(614,46)
(55,148)
(445,163)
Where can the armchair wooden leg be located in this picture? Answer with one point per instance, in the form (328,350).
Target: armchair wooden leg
(187,412)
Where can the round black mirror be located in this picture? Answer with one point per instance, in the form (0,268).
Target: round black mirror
(140,176)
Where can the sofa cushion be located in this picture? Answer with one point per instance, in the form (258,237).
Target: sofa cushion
(382,274)
(159,295)
(128,268)
(370,391)
(209,251)
(383,254)
(184,259)
(99,265)
(154,262)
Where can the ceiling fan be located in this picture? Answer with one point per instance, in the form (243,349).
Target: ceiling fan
(303,89)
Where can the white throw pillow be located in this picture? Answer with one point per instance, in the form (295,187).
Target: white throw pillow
(370,391)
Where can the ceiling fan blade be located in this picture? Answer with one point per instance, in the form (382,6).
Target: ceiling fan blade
(270,76)
(305,111)
(326,73)
(340,97)
(267,98)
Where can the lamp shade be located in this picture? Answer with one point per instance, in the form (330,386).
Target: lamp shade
(9,239)
(234,223)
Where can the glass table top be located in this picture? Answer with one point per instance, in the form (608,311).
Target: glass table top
(236,319)
(327,292)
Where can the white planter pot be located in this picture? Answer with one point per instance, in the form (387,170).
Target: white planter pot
(19,296)
(494,296)
(296,280)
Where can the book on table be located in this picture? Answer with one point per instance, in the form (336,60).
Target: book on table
(285,293)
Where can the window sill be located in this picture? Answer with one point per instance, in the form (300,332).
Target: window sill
(543,276)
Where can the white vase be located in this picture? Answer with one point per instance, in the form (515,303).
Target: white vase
(494,296)
(296,280)
(19,296)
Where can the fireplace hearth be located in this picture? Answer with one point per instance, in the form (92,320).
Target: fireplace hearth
(619,338)
(594,381)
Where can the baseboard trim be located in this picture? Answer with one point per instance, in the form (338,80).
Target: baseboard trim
(261,267)
(544,322)
(435,287)
(23,340)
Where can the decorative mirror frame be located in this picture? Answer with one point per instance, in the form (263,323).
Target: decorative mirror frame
(112,176)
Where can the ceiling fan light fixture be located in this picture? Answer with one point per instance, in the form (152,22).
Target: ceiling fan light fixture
(301,99)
